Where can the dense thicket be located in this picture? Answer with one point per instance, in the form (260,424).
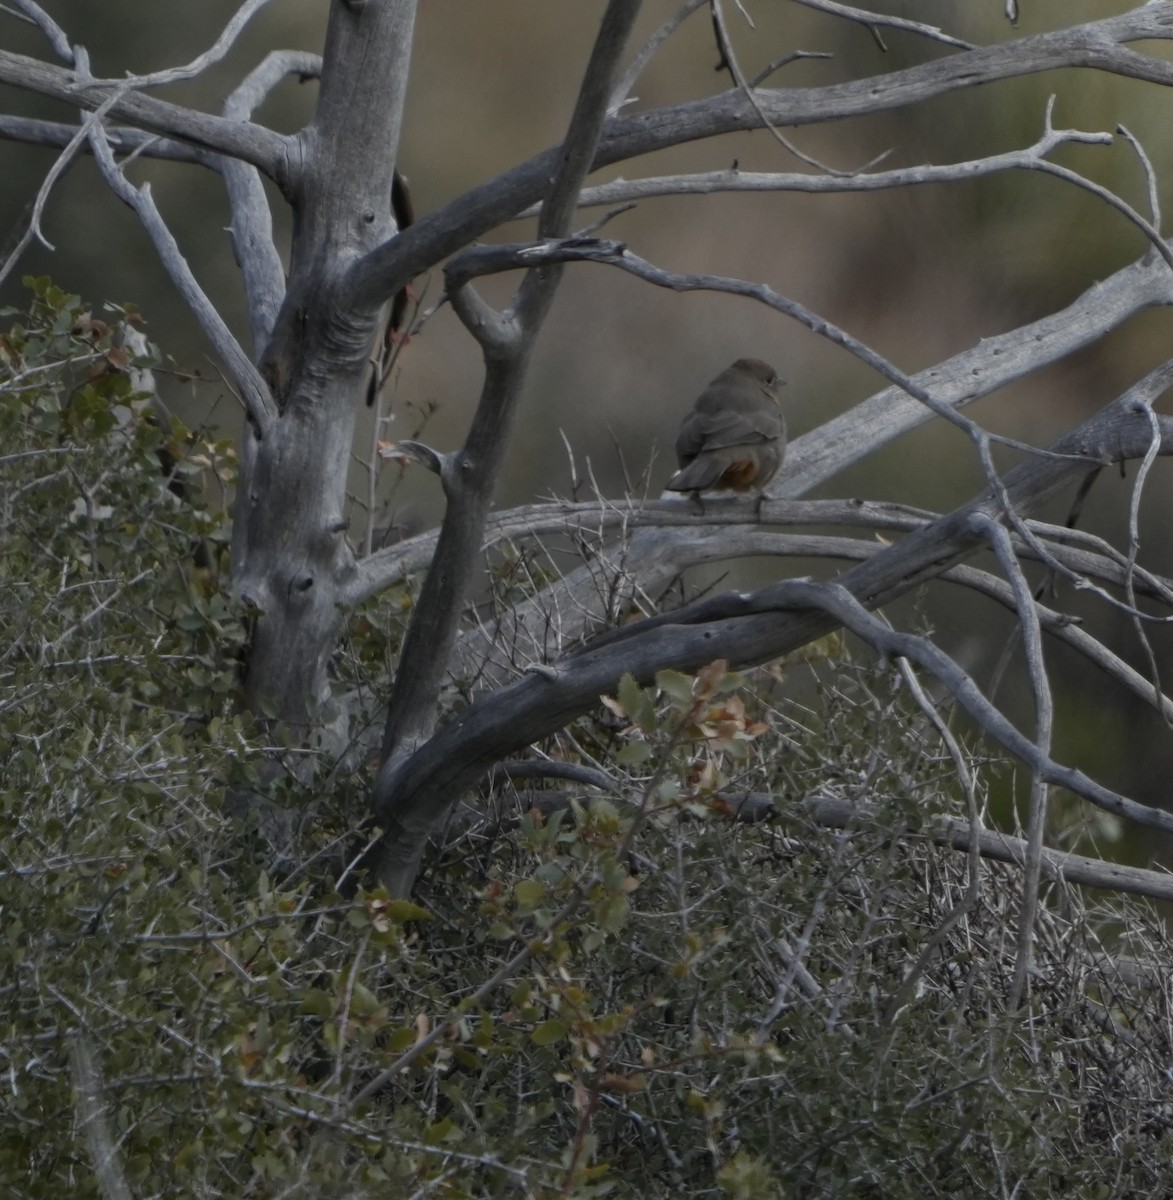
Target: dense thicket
(630,995)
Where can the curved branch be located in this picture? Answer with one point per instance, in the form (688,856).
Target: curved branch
(58,134)
(252,220)
(266,150)
(718,546)
(219,48)
(874,21)
(60,165)
(394,563)
(704,183)
(507,343)
(258,400)
(480,260)
(653,559)
(729,62)
(414,794)
(411,794)
(54,34)
(833,812)
(1098,45)
(622,92)
(1044,706)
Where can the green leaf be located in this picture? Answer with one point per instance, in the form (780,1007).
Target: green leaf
(363,1002)
(317,1003)
(676,686)
(529,893)
(438,1132)
(612,912)
(404,910)
(629,695)
(633,754)
(549,1032)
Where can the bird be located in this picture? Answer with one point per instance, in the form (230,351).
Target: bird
(734,436)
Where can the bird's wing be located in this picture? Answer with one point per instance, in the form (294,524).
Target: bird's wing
(690,441)
(730,427)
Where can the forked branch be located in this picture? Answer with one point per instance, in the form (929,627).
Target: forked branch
(414,793)
(507,341)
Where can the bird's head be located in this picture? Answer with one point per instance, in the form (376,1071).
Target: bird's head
(761,373)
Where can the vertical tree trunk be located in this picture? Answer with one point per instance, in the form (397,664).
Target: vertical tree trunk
(290,554)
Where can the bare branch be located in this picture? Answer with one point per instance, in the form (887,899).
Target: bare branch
(507,343)
(731,542)
(275,67)
(54,34)
(591,595)
(1149,174)
(729,60)
(59,167)
(1134,542)
(1032,640)
(121,141)
(1084,554)
(252,220)
(727,540)
(413,794)
(875,20)
(254,144)
(835,812)
(501,654)
(1126,210)
(582,137)
(622,93)
(734,180)
(973,828)
(253,390)
(786,59)
(202,62)
(1097,44)
(820,454)
(389,566)
(481,260)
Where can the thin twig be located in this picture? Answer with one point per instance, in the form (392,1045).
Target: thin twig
(94,1121)
(620,95)
(59,167)
(730,61)
(1134,546)
(218,50)
(483,260)
(735,180)
(969,901)
(785,61)
(54,34)
(258,401)
(873,20)
(1149,174)
(1032,640)
(261,268)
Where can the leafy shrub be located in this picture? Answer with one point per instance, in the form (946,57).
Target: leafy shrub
(630,995)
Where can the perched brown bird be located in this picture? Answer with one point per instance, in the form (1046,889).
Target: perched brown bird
(734,437)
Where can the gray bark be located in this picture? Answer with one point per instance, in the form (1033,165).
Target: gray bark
(291,557)
(413,796)
(471,475)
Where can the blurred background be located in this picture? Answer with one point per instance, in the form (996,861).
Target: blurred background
(919,274)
